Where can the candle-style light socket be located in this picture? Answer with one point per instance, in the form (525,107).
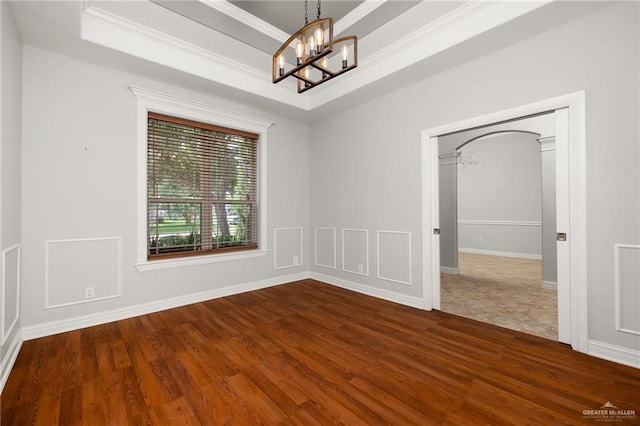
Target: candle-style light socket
(344,63)
(319,39)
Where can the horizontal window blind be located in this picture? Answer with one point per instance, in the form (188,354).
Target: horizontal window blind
(202,188)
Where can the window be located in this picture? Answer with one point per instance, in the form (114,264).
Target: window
(216,118)
(202,188)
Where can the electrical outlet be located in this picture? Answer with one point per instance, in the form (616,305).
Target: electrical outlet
(482,239)
(360,269)
(296,260)
(89,293)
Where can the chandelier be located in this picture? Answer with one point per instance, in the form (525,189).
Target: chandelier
(318,56)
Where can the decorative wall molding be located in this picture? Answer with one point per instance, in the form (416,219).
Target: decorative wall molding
(614,353)
(9,359)
(482,222)
(382,261)
(95,257)
(391,296)
(365,270)
(501,253)
(7,325)
(298,253)
(618,291)
(333,236)
(75,323)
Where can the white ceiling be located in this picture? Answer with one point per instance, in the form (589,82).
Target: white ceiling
(225,48)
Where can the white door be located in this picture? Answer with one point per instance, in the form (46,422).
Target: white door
(563,225)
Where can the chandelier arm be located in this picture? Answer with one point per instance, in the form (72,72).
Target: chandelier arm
(328,46)
(332,74)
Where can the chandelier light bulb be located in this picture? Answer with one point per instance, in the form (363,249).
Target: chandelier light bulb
(311,42)
(281,65)
(345,55)
(319,34)
(299,52)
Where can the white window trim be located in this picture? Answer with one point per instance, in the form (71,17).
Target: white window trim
(150,101)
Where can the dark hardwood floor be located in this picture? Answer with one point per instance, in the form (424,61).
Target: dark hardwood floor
(308,353)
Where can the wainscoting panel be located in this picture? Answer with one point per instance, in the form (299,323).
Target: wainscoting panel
(10,291)
(82,270)
(394,256)
(325,247)
(355,251)
(287,245)
(627,288)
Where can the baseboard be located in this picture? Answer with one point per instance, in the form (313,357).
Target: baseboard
(614,353)
(448,270)
(391,296)
(549,285)
(10,359)
(501,253)
(60,326)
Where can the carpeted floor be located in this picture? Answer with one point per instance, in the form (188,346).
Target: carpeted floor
(503,291)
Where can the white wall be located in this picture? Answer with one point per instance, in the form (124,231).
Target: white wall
(10,134)
(365,162)
(79,183)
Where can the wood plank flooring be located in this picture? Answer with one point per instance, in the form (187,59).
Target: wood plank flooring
(308,353)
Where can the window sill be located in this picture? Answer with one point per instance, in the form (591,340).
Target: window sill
(158,265)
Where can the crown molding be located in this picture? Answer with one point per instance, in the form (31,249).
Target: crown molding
(461,24)
(356,15)
(247,19)
(116,32)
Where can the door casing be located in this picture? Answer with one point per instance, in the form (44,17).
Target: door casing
(571,207)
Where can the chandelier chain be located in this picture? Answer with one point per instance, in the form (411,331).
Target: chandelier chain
(306,11)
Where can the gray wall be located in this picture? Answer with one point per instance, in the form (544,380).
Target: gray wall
(361,171)
(448,208)
(500,198)
(365,162)
(79,183)
(549,221)
(10,134)
(501,230)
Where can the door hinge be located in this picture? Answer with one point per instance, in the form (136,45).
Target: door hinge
(561,236)
(436,231)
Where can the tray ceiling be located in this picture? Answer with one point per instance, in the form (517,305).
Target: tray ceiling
(225,47)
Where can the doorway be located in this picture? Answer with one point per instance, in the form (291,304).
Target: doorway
(493,183)
(569,114)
